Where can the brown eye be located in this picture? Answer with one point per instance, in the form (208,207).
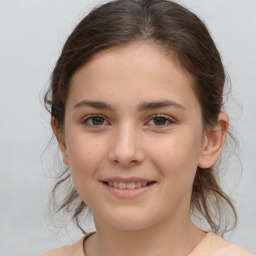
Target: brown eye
(95,121)
(160,120)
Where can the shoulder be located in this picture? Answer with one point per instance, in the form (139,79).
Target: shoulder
(215,245)
(69,250)
(58,252)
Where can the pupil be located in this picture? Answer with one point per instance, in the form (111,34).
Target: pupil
(160,120)
(97,120)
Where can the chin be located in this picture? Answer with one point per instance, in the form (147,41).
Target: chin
(130,226)
(130,222)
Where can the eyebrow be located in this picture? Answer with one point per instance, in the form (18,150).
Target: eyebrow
(144,106)
(159,104)
(95,104)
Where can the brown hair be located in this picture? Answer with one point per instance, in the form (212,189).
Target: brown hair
(180,32)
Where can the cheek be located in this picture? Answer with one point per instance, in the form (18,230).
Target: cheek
(176,158)
(85,155)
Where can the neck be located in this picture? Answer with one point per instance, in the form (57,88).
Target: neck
(167,238)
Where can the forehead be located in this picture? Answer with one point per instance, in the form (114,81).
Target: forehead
(139,53)
(147,69)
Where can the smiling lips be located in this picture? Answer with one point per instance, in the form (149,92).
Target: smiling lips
(127,183)
(130,185)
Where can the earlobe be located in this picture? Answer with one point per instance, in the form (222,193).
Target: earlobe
(61,142)
(213,142)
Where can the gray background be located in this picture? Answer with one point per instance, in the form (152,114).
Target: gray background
(32,35)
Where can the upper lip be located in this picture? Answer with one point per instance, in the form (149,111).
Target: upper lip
(127,179)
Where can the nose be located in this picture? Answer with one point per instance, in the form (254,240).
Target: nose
(125,147)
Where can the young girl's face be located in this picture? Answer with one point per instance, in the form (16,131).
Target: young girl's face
(132,118)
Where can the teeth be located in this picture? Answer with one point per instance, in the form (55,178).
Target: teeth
(138,184)
(122,185)
(130,185)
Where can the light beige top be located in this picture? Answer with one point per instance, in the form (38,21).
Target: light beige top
(211,245)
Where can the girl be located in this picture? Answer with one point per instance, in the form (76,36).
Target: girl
(136,100)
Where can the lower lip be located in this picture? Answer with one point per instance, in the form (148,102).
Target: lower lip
(128,193)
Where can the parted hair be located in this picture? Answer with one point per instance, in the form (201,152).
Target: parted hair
(180,32)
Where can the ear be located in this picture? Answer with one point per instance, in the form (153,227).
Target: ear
(213,142)
(60,138)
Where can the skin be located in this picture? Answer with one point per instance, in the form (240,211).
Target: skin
(128,142)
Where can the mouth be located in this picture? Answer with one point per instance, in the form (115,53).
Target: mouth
(128,185)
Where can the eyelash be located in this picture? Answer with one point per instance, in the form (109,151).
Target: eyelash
(163,117)
(85,121)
